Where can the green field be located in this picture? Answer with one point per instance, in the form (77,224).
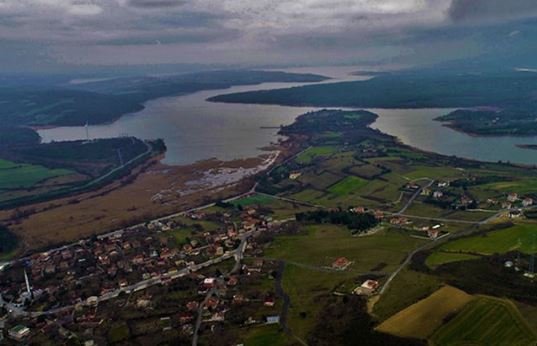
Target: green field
(253,200)
(306,157)
(319,181)
(367,171)
(521,237)
(308,276)
(308,195)
(305,288)
(206,225)
(422,319)
(486,321)
(180,236)
(419,172)
(406,289)
(322,244)
(347,186)
(522,186)
(265,336)
(22,176)
(439,257)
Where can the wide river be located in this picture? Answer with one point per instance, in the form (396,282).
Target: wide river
(195,129)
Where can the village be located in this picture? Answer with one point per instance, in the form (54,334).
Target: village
(212,276)
(41,290)
(208,260)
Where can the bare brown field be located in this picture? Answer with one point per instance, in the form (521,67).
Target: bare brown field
(152,190)
(420,320)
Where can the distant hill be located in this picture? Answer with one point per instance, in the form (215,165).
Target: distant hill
(105,101)
(408,89)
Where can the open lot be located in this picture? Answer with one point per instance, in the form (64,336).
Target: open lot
(440,257)
(254,200)
(486,321)
(347,186)
(406,289)
(305,287)
(310,154)
(420,320)
(265,336)
(320,245)
(521,237)
(22,176)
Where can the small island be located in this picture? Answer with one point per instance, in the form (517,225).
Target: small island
(527,146)
(492,122)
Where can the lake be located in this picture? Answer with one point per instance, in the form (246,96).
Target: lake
(195,129)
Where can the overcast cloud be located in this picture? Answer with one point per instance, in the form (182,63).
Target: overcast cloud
(111,32)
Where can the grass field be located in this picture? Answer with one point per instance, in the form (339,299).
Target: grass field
(338,162)
(418,172)
(324,243)
(306,157)
(307,278)
(347,186)
(23,176)
(421,319)
(319,181)
(180,235)
(265,336)
(206,225)
(367,171)
(305,288)
(253,200)
(521,237)
(486,321)
(307,195)
(522,186)
(439,257)
(406,289)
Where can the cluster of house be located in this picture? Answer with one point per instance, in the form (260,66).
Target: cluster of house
(379,214)
(92,268)
(514,203)
(440,193)
(115,261)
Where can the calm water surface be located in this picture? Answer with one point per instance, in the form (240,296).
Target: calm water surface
(195,129)
(418,129)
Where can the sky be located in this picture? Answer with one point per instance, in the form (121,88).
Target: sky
(52,34)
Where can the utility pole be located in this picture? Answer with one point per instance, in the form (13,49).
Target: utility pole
(28,288)
(87,131)
(532,258)
(120,156)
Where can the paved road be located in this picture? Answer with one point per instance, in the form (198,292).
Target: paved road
(117,169)
(434,244)
(238,254)
(439,219)
(199,318)
(414,196)
(280,292)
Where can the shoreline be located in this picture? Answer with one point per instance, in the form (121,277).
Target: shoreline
(484,135)
(153,190)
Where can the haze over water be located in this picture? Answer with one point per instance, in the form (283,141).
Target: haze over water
(195,129)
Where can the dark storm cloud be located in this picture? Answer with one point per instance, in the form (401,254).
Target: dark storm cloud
(491,10)
(249,31)
(155,4)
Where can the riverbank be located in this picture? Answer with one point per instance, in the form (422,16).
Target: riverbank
(152,190)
